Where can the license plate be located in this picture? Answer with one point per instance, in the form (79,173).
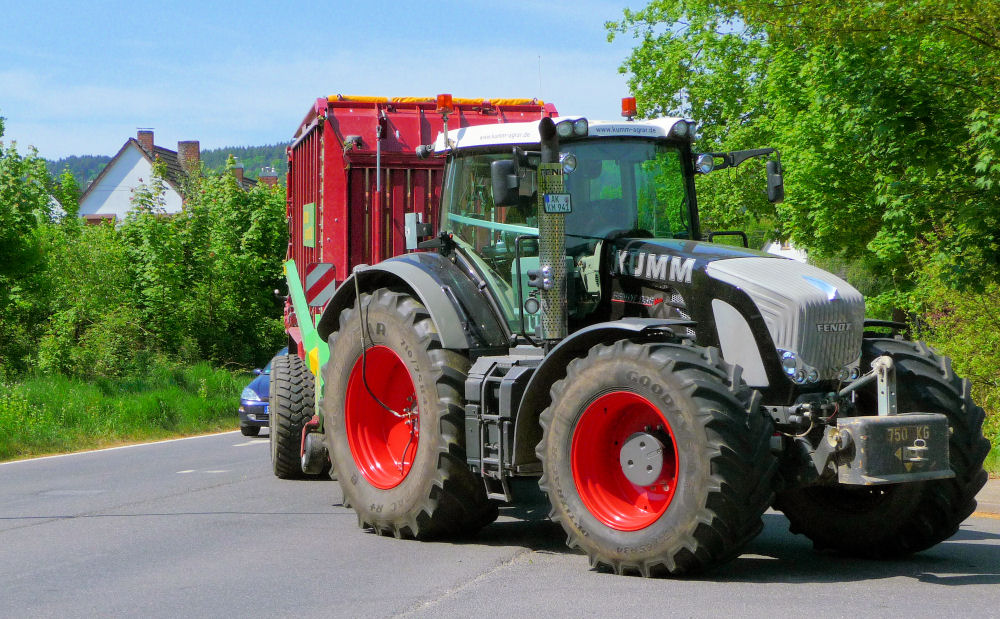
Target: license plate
(558,203)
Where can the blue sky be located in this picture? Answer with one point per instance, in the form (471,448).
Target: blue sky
(78,78)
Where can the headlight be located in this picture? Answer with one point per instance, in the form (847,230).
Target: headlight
(680,129)
(249,394)
(788,362)
(569,162)
(581,127)
(564,129)
(796,369)
(705,163)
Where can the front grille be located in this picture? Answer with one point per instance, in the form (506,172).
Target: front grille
(794,301)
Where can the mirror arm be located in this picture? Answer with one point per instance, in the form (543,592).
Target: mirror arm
(735,158)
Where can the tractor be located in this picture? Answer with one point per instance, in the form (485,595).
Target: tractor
(565,322)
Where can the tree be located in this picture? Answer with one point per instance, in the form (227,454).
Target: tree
(24,210)
(885,114)
(67,192)
(24,204)
(205,275)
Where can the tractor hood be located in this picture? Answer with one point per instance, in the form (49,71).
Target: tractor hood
(747,301)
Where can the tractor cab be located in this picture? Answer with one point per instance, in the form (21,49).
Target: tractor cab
(621,180)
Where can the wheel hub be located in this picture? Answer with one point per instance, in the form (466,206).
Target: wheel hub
(641,458)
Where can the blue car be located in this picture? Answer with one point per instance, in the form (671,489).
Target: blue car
(254,400)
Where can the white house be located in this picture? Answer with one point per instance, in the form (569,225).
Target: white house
(110,195)
(787,250)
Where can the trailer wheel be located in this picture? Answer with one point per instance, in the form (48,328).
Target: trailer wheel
(396,423)
(897,520)
(656,458)
(291,407)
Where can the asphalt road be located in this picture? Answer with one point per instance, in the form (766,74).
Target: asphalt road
(199,527)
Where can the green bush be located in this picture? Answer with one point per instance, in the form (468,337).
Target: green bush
(966,327)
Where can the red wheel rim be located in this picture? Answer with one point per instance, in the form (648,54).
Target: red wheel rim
(602,429)
(383,445)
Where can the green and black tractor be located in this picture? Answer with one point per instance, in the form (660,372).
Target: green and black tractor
(568,324)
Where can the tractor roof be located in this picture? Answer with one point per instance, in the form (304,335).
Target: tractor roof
(527,132)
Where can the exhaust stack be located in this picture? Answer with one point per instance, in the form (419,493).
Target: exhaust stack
(551,237)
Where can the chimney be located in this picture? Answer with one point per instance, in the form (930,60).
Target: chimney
(189,156)
(238,172)
(145,139)
(268,176)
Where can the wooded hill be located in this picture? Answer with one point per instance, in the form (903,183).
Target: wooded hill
(85,168)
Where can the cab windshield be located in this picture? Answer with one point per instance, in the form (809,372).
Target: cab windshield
(619,187)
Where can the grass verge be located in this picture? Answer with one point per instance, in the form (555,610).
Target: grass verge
(54,414)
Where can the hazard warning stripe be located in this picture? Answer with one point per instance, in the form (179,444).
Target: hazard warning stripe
(321,282)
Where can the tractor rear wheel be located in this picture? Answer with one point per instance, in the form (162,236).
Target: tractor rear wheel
(291,407)
(896,520)
(395,421)
(656,458)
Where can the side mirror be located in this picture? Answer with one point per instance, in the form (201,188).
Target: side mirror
(258,371)
(505,182)
(775,182)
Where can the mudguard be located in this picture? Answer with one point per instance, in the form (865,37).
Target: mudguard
(527,431)
(458,308)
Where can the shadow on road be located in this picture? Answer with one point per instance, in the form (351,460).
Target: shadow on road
(777,555)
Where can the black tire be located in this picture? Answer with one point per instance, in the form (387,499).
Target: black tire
(897,520)
(437,495)
(723,469)
(292,404)
(250,430)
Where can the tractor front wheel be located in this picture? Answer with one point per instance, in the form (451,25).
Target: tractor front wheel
(898,519)
(656,458)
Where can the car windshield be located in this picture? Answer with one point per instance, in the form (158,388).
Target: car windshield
(619,187)
(267,368)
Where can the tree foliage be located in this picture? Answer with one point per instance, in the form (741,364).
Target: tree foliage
(104,301)
(25,210)
(885,114)
(253,158)
(84,168)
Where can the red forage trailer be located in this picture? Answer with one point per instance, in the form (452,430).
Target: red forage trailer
(354,181)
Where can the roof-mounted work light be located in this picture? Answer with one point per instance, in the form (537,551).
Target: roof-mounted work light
(680,130)
(578,128)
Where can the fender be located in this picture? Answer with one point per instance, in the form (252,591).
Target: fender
(457,307)
(527,430)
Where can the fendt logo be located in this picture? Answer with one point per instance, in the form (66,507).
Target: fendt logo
(656,266)
(833,327)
